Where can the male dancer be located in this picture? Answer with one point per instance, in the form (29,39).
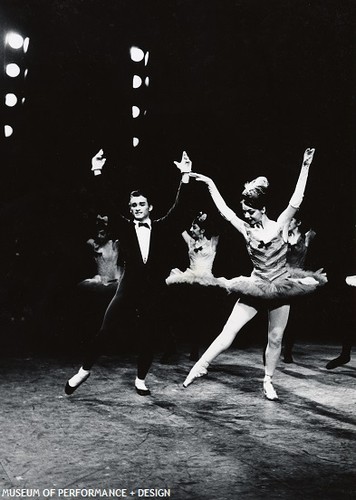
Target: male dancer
(144,243)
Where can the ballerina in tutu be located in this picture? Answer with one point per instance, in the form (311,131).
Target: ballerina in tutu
(105,252)
(202,245)
(272,282)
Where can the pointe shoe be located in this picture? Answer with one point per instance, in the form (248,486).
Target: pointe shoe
(343,359)
(268,390)
(77,380)
(198,370)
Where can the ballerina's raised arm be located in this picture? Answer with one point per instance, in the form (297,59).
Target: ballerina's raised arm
(220,203)
(298,195)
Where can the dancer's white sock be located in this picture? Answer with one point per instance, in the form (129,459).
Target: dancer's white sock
(78,377)
(140,384)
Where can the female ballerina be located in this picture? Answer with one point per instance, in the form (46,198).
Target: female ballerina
(271,279)
(202,245)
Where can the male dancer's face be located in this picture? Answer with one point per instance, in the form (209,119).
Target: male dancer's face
(139,208)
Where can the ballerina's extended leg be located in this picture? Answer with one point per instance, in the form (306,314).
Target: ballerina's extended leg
(240,315)
(199,369)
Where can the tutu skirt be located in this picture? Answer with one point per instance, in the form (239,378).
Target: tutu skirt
(298,282)
(193,277)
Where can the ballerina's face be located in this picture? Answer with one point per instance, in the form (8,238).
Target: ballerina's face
(252,215)
(195,231)
(294,223)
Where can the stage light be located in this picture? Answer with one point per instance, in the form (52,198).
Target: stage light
(147,55)
(8,130)
(26,43)
(12,70)
(135,141)
(136,81)
(10,100)
(23,100)
(147,81)
(14,40)
(135,111)
(25,73)
(136,54)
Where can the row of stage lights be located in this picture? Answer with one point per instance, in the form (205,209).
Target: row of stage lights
(141,81)
(15,48)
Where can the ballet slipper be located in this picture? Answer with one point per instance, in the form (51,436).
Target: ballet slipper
(199,369)
(268,389)
(343,359)
(77,380)
(141,387)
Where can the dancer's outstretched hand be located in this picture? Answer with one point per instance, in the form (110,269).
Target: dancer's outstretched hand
(97,162)
(185,165)
(201,178)
(308,157)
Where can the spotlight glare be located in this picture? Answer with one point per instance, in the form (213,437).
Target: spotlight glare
(14,40)
(8,130)
(147,81)
(135,111)
(147,55)
(12,70)
(137,54)
(10,100)
(136,81)
(26,43)
(135,141)
(25,73)
(23,100)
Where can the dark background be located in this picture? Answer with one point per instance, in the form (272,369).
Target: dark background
(243,86)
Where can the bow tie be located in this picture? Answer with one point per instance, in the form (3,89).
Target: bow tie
(196,250)
(144,224)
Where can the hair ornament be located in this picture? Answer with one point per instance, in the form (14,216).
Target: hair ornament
(201,217)
(256,187)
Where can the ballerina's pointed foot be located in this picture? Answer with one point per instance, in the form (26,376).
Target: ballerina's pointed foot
(268,389)
(199,370)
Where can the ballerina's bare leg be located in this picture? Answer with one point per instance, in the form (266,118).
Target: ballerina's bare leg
(240,315)
(277,322)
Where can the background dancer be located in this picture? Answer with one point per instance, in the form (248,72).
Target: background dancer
(348,336)
(298,246)
(202,242)
(143,242)
(271,280)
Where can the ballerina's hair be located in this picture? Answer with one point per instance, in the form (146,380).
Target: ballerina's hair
(255,193)
(202,220)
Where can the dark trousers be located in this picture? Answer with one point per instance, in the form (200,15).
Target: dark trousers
(133,310)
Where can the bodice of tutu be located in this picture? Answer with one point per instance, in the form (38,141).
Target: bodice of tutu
(201,256)
(269,258)
(272,277)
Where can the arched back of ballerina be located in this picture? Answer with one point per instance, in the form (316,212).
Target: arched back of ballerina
(271,279)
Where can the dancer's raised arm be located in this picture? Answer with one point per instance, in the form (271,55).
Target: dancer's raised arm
(219,201)
(298,195)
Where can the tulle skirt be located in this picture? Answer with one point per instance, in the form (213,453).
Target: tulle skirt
(298,282)
(191,277)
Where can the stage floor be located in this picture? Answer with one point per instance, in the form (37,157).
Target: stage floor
(219,439)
